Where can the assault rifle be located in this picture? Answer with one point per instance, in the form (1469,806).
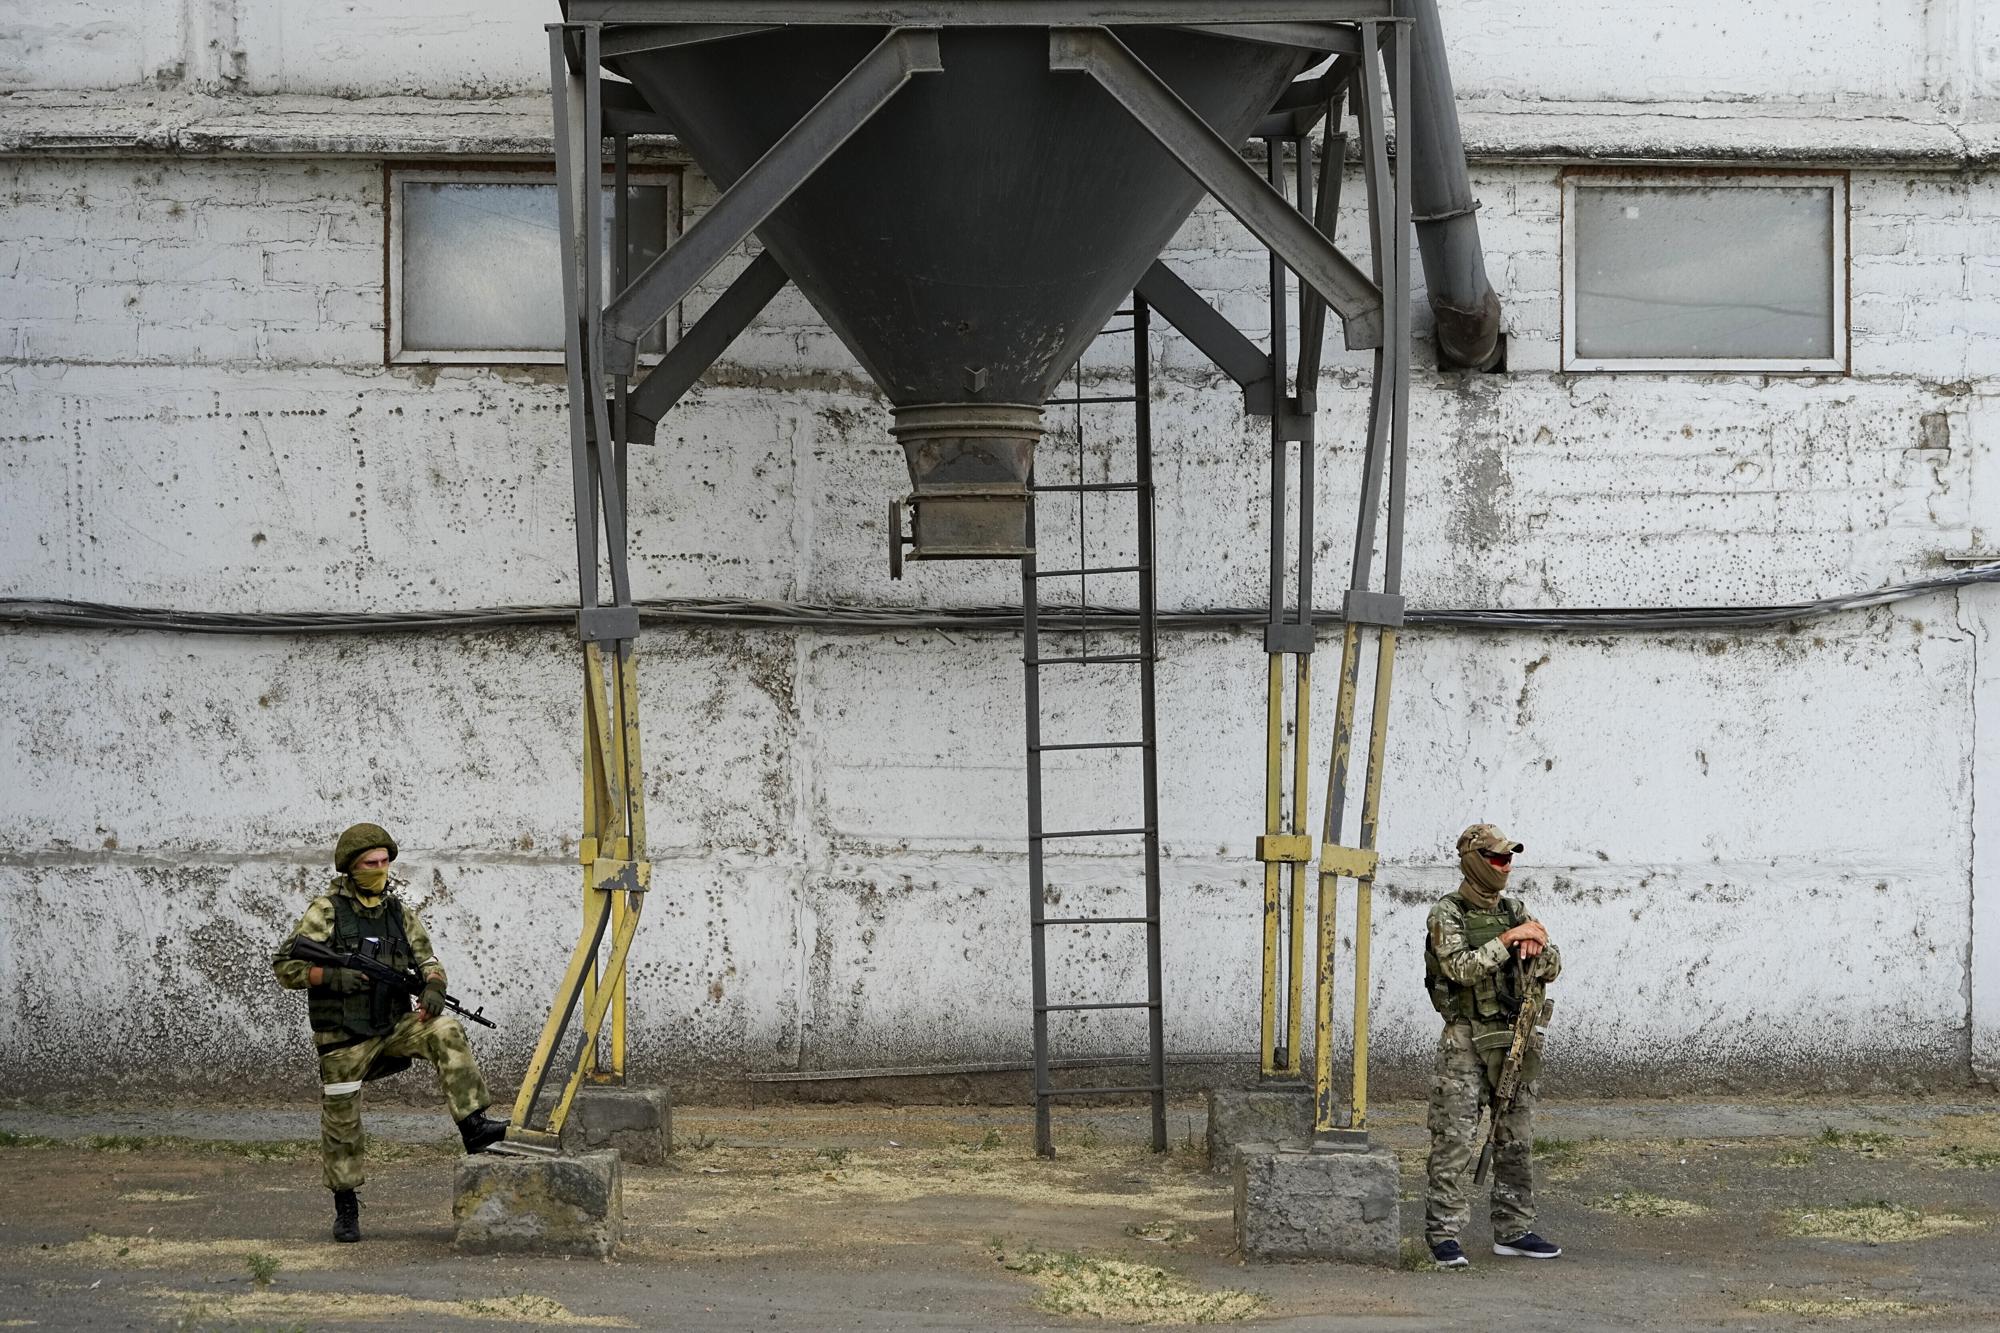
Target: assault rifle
(1534,1016)
(410,980)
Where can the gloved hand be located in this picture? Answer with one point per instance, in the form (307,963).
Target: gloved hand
(343,980)
(432,1000)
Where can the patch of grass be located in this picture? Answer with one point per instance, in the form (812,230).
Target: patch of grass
(1876,1223)
(1969,1159)
(263,1267)
(202,1317)
(1841,1307)
(1557,1152)
(698,1142)
(1795,1157)
(991,1141)
(1126,1293)
(837,1156)
(1636,1203)
(12,1140)
(251,1310)
(1865,1141)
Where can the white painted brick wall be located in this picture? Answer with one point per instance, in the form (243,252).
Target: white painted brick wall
(196,414)
(1723,51)
(215,263)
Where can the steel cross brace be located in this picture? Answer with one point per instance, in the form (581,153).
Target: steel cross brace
(760,191)
(1220,168)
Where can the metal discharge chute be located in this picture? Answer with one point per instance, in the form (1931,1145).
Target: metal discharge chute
(965,191)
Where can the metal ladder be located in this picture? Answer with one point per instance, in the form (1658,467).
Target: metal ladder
(1034,624)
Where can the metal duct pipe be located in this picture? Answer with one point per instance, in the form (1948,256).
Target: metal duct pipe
(1462,298)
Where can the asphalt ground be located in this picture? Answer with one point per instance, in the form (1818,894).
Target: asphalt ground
(1741,1215)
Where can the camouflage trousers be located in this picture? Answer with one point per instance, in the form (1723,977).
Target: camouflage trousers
(1462,1088)
(341,1074)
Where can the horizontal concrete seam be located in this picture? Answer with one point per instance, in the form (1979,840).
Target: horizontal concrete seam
(311,859)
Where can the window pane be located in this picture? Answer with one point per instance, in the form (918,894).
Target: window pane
(481,266)
(1703,273)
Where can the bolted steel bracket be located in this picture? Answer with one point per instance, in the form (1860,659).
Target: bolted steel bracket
(898,539)
(1289,847)
(1362,607)
(606,624)
(1352,862)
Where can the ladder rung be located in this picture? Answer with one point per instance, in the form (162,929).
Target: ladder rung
(1098,1092)
(1089,659)
(1088,833)
(1089,402)
(1097,921)
(1074,486)
(1073,1008)
(1090,745)
(1072,573)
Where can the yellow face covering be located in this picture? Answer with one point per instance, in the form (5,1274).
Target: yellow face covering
(369,884)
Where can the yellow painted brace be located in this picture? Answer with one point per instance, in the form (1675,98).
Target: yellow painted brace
(1284,842)
(1285,847)
(616,876)
(1359,864)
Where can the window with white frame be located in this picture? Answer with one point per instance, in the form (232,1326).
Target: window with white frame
(474,267)
(1705,271)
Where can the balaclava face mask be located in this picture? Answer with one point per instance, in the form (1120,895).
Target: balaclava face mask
(1483,880)
(369,884)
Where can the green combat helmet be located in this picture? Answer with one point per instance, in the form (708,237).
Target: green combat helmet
(358,839)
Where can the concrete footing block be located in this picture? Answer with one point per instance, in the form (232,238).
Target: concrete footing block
(637,1122)
(540,1205)
(1262,1118)
(1304,1205)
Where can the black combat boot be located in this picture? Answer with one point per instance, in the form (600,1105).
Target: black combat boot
(346,1217)
(479,1132)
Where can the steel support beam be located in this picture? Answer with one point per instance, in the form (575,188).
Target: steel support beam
(1213,336)
(697,349)
(1329,38)
(1217,164)
(762,189)
(626,41)
(1388,183)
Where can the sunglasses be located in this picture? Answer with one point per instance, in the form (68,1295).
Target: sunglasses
(1499,858)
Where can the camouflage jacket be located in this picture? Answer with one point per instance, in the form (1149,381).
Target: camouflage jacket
(317,925)
(1464,963)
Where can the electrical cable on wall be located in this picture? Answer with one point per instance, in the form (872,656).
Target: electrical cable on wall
(723,613)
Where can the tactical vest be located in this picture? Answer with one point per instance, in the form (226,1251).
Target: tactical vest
(1492,998)
(376,1009)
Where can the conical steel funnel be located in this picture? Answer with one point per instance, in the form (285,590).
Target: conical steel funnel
(974,236)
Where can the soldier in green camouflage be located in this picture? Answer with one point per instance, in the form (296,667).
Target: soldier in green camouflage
(1480,949)
(365,1030)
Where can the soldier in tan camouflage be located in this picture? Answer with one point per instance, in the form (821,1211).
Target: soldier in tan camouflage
(1480,947)
(365,1030)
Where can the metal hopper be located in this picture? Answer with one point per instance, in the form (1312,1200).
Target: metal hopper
(970,238)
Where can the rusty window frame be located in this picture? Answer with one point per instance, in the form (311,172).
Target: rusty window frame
(396,175)
(1836,182)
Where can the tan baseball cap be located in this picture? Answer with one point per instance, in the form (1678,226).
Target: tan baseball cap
(1487,838)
